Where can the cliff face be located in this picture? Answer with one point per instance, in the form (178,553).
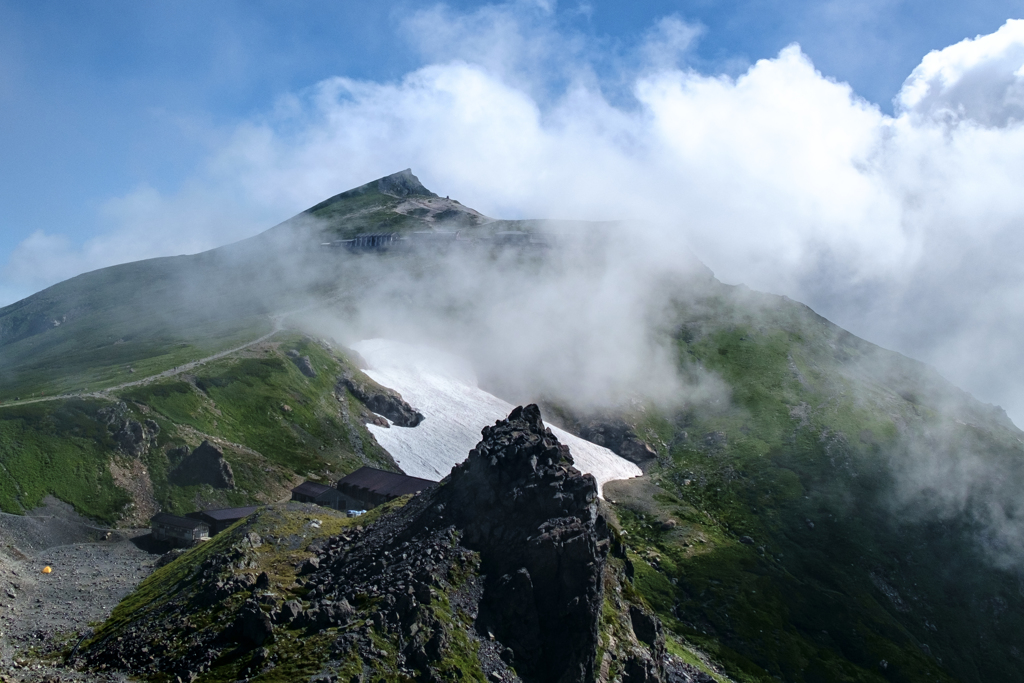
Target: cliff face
(533,518)
(501,572)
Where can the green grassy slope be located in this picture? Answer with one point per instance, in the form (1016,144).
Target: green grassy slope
(89,332)
(274,424)
(779,536)
(58,449)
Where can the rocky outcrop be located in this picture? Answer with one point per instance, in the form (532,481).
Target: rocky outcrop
(303,363)
(205,465)
(618,437)
(403,184)
(533,517)
(132,438)
(380,400)
(500,574)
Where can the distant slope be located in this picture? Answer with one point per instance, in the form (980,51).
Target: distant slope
(91,331)
(839,519)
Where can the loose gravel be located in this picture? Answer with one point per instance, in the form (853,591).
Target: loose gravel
(43,615)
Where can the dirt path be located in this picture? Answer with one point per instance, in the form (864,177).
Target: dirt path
(177,370)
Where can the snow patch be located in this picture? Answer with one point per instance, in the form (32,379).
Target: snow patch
(444,388)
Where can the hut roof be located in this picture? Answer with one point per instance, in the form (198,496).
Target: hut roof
(311,488)
(385,483)
(226,513)
(168,519)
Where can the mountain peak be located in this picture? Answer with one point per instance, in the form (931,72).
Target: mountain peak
(401,184)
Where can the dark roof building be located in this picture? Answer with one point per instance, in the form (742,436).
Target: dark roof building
(321,494)
(219,520)
(178,530)
(368,487)
(307,491)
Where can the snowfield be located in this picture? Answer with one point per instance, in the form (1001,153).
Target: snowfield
(444,388)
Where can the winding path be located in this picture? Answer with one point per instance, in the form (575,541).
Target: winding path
(277,321)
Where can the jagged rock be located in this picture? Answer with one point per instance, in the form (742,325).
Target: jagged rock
(618,437)
(133,438)
(640,668)
(645,625)
(169,557)
(205,465)
(525,481)
(290,611)
(303,363)
(381,400)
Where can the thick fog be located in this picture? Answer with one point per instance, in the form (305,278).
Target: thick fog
(583,318)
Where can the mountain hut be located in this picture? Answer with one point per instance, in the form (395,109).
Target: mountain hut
(368,487)
(320,494)
(180,531)
(219,520)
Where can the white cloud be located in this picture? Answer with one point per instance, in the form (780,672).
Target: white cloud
(979,80)
(669,41)
(906,230)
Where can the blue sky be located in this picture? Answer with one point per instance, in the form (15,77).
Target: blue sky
(97,98)
(137,129)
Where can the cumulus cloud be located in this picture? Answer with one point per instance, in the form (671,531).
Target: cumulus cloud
(979,80)
(903,229)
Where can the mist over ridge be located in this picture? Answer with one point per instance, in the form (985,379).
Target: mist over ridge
(792,471)
(900,228)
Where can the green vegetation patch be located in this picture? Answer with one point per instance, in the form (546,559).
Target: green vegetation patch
(58,448)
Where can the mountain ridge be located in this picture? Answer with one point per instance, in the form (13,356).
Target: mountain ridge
(831,512)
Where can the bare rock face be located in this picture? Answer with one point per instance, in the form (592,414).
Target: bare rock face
(533,518)
(402,184)
(380,400)
(618,437)
(205,465)
(303,363)
(133,438)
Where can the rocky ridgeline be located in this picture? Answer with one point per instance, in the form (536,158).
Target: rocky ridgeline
(501,572)
(380,400)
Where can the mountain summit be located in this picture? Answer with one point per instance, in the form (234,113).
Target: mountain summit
(401,184)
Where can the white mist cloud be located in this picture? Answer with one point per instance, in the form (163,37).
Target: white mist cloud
(904,229)
(979,80)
